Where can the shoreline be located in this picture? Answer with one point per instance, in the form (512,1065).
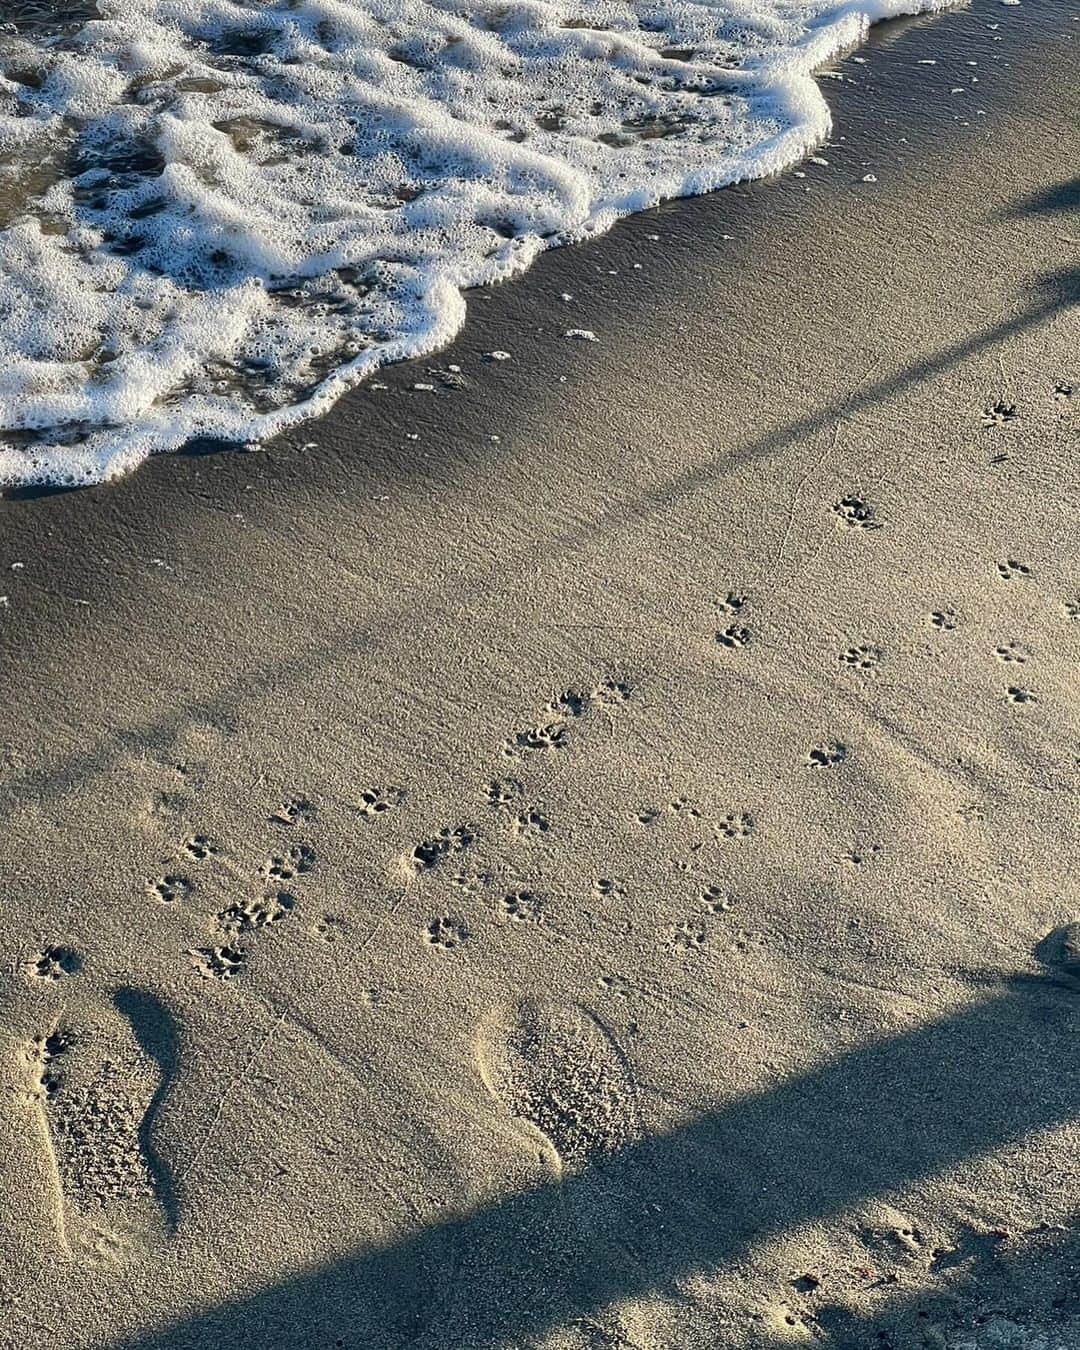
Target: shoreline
(798,86)
(649,703)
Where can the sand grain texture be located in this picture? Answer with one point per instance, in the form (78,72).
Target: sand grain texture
(606,885)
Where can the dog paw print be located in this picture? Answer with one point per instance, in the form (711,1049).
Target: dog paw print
(472,883)
(520,907)
(200,847)
(615,985)
(445,933)
(448,842)
(647,815)
(296,811)
(550,736)
(170,888)
(1063,392)
(53,964)
(610,692)
(376,801)
(256,914)
(737,825)
(944,619)
(716,900)
(1016,694)
(1072,608)
(609,888)
(827,756)
(857,514)
(1011,568)
(732,603)
(218,963)
(328,927)
(859,855)
(1000,414)
(861,658)
(293,862)
(687,937)
(733,637)
(683,806)
(570,703)
(503,794)
(1011,653)
(531,824)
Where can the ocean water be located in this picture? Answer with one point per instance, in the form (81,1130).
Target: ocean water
(217,215)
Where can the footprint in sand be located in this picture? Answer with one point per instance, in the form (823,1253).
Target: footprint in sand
(99,1088)
(558,1070)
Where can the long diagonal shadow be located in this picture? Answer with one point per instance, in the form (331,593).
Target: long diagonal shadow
(1059,291)
(899,1110)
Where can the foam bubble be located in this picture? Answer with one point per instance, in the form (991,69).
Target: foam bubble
(217,215)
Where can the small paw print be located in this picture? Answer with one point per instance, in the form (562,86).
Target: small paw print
(1072,608)
(570,703)
(501,793)
(615,985)
(550,736)
(1063,392)
(295,810)
(53,964)
(737,825)
(218,963)
(1016,694)
(733,637)
(683,806)
(999,414)
(245,918)
(716,900)
(687,937)
(1011,653)
(521,907)
(376,801)
(1011,568)
(472,883)
(609,887)
(732,603)
(170,888)
(944,619)
(445,933)
(612,691)
(200,847)
(827,756)
(430,852)
(531,824)
(857,514)
(859,855)
(328,927)
(861,658)
(294,862)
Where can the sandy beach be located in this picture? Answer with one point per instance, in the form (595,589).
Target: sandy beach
(578,850)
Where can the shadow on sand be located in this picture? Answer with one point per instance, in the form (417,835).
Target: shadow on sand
(1056,293)
(900,1110)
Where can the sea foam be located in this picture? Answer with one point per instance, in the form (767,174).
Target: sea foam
(218,215)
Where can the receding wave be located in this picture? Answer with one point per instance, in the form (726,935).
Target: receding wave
(217,215)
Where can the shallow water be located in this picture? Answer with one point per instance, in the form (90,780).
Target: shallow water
(216,215)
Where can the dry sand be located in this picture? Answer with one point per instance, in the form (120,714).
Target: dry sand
(567,859)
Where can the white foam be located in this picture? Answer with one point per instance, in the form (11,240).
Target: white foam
(230,211)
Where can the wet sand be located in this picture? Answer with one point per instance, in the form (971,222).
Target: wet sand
(579,853)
